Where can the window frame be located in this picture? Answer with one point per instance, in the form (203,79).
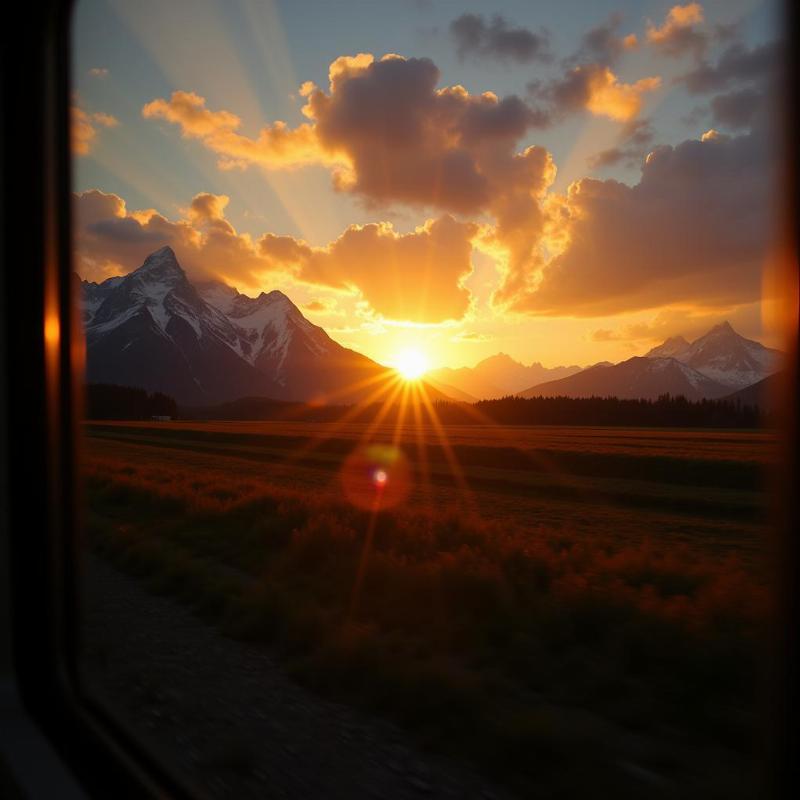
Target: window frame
(46,704)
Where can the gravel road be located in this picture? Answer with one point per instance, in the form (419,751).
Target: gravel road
(226,720)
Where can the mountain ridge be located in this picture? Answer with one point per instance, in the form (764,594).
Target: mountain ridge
(153,328)
(498,376)
(206,342)
(712,366)
(639,377)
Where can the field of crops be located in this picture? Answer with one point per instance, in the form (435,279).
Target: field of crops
(735,445)
(704,491)
(535,597)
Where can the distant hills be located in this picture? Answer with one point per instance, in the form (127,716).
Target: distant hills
(206,344)
(496,376)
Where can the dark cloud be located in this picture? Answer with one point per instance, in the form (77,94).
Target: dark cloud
(634,141)
(736,64)
(739,108)
(696,229)
(409,142)
(603,44)
(123,231)
(748,82)
(476,37)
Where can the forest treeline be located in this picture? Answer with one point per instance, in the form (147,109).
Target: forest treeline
(666,411)
(109,401)
(124,402)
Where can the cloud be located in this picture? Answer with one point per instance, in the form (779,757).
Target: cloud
(736,64)
(98,72)
(471,336)
(323,306)
(106,120)
(386,131)
(595,88)
(188,110)
(276,147)
(603,44)
(689,322)
(84,128)
(475,37)
(416,276)
(697,228)
(111,239)
(739,108)
(409,142)
(678,33)
(635,137)
(391,137)
(748,81)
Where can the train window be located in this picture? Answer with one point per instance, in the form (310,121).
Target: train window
(433,362)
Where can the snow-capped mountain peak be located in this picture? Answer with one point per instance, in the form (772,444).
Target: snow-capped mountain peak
(207,342)
(269,325)
(160,265)
(673,347)
(723,355)
(158,289)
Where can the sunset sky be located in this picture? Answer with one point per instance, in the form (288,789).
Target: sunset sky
(563,182)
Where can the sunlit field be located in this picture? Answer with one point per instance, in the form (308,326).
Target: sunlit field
(561,606)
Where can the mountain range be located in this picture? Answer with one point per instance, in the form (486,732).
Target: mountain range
(496,376)
(713,366)
(206,343)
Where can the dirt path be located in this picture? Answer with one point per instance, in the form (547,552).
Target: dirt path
(228,721)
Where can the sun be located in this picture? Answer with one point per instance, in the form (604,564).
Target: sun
(411,364)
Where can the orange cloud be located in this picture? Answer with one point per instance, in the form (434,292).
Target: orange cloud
(687,321)
(416,276)
(677,33)
(188,110)
(277,146)
(112,240)
(597,89)
(322,306)
(609,97)
(630,42)
(412,277)
(84,131)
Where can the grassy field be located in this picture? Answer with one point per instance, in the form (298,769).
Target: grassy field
(541,598)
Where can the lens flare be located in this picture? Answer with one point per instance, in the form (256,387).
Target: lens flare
(380,477)
(375,477)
